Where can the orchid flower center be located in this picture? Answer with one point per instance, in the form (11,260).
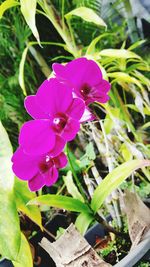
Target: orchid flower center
(59,122)
(45,164)
(85,90)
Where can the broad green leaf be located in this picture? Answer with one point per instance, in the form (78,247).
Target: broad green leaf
(22,196)
(114,179)
(136,44)
(83,221)
(24,258)
(28,9)
(71,187)
(21,71)
(62,202)
(118,53)
(87,14)
(6,5)
(9,221)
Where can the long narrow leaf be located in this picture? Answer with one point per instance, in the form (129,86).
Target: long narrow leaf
(62,202)
(114,179)
(28,9)
(6,5)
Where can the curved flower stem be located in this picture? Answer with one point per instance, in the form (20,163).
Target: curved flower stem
(97,217)
(75,176)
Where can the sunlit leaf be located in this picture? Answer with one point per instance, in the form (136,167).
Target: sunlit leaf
(126,153)
(22,196)
(24,257)
(118,53)
(28,9)
(83,221)
(91,47)
(136,44)
(6,5)
(121,76)
(133,107)
(9,222)
(62,202)
(71,187)
(114,179)
(86,14)
(21,71)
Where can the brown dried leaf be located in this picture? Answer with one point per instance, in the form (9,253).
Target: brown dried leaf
(138,217)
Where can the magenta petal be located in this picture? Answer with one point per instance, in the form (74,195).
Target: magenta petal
(71,129)
(36,137)
(60,161)
(36,183)
(59,70)
(59,146)
(103,99)
(76,109)
(24,167)
(51,176)
(93,74)
(33,108)
(87,116)
(103,87)
(78,72)
(54,97)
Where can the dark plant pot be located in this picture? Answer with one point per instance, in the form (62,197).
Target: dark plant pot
(41,255)
(5,263)
(141,252)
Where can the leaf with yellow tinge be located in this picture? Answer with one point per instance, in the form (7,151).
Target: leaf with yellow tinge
(28,9)
(87,14)
(23,196)
(9,222)
(24,258)
(6,5)
(118,53)
(113,180)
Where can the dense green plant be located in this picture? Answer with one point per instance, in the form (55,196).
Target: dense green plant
(118,140)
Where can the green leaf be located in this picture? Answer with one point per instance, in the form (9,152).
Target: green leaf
(126,153)
(22,197)
(83,221)
(71,187)
(61,202)
(24,257)
(91,47)
(113,180)
(28,9)
(9,221)
(87,14)
(90,151)
(136,44)
(6,5)
(118,53)
(121,76)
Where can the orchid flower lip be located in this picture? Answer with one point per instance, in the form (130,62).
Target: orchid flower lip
(59,122)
